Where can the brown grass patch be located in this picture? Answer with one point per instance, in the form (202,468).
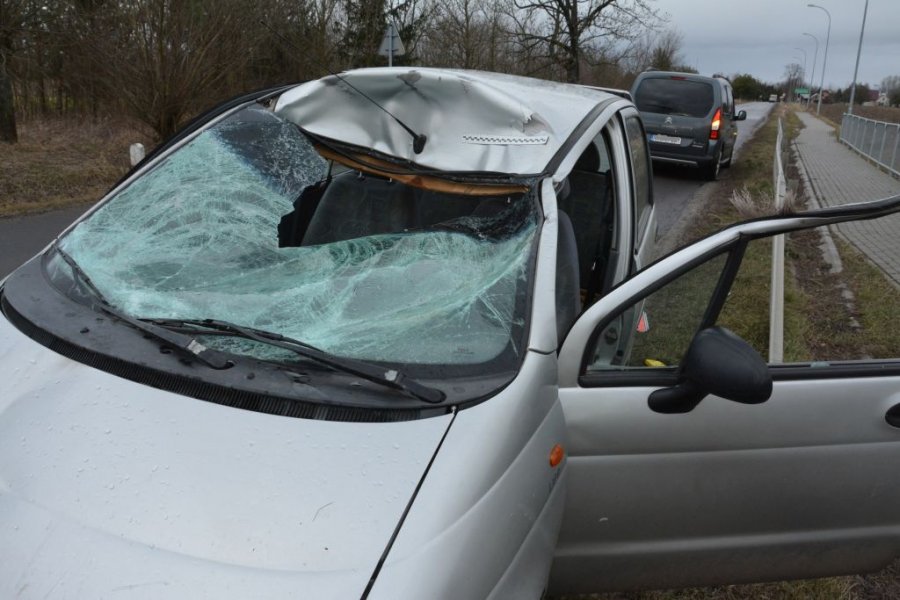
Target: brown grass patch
(59,163)
(834,113)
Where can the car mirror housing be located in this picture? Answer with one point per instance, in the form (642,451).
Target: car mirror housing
(717,362)
(741,116)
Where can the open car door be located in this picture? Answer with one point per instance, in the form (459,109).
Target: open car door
(671,484)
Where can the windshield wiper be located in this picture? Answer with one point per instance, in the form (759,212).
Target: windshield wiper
(187,345)
(369,371)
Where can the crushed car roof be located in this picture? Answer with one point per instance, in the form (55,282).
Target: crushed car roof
(474,121)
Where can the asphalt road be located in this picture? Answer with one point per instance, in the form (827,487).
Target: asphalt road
(674,187)
(23,237)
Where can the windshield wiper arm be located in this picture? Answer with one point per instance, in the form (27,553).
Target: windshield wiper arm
(392,378)
(180,342)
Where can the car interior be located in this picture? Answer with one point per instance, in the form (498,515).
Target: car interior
(587,199)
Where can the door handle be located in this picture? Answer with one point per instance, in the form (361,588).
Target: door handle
(893,415)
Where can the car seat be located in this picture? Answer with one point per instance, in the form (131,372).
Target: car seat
(568,286)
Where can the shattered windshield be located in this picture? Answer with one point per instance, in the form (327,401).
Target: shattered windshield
(246,223)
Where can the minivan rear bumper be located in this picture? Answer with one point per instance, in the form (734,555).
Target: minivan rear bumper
(684,158)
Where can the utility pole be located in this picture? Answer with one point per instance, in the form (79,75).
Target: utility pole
(812,76)
(825,59)
(858,52)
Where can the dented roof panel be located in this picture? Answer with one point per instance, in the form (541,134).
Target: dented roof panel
(474,121)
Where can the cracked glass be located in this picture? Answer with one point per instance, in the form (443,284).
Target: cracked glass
(384,272)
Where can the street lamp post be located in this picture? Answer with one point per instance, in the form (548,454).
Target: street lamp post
(858,52)
(825,58)
(812,76)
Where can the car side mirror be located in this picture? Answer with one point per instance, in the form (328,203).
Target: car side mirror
(741,116)
(717,362)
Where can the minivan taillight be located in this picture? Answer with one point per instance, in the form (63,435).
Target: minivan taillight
(716,123)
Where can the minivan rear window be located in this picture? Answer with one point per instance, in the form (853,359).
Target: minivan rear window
(674,97)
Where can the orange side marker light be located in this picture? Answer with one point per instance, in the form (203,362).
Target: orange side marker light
(556,455)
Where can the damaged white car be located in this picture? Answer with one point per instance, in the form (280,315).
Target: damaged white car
(368,337)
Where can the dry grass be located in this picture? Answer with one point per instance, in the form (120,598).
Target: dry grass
(749,206)
(59,163)
(833,113)
(835,588)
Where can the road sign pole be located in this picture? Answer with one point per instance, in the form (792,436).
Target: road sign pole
(390,46)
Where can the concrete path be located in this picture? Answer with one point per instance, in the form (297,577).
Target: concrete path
(23,237)
(840,176)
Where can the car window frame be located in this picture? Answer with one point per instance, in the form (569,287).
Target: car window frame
(640,210)
(575,355)
(668,375)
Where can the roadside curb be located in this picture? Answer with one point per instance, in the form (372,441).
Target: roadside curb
(829,249)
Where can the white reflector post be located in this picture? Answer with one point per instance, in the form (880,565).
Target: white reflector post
(136,153)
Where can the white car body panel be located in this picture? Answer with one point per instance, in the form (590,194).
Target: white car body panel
(189,496)
(543,334)
(492,474)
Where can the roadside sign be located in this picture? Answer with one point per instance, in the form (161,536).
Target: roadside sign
(391,44)
(801,91)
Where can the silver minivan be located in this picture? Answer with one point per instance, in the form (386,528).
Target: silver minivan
(380,336)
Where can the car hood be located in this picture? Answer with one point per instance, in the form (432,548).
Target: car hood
(110,486)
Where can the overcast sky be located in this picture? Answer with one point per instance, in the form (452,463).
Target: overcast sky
(759,37)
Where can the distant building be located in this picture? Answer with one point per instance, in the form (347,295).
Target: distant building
(871,99)
(826,97)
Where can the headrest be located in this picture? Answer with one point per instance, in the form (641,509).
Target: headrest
(589,159)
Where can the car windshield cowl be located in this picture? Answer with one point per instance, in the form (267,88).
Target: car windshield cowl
(386,376)
(185,345)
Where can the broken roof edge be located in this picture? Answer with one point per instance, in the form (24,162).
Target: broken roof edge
(474,121)
(367,164)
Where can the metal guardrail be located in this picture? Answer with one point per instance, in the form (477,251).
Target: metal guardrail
(876,140)
(776,300)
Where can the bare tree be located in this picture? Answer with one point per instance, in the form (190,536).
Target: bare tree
(361,31)
(413,20)
(666,52)
(891,86)
(470,34)
(290,40)
(793,76)
(618,66)
(16,16)
(160,58)
(567,28)
(8,130)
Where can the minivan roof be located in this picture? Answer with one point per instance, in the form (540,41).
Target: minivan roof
(682,74)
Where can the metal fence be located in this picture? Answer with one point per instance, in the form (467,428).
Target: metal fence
(876,140)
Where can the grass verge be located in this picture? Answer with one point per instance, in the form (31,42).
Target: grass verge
(60,163)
